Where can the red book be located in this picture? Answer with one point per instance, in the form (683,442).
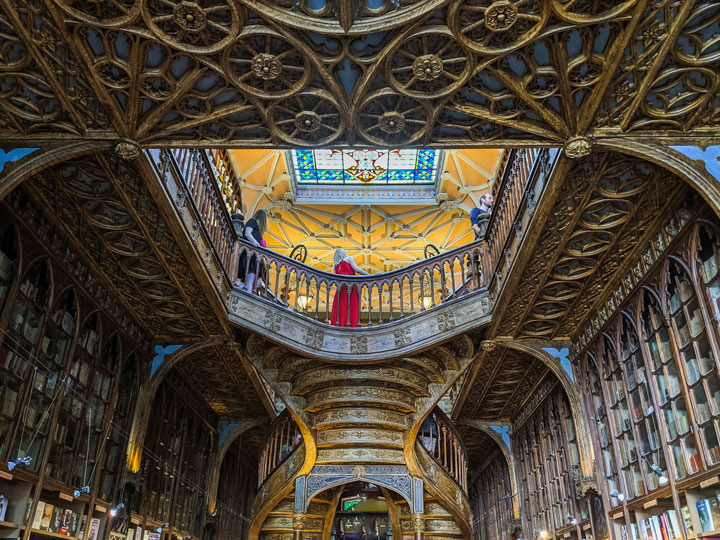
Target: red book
(664,527)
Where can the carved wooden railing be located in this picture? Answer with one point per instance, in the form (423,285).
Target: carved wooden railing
(226,178)
(196,172)
(381,298)
(442,441)
(519,168)
(282,440)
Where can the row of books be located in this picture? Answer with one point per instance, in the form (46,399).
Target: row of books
(665,526)
(709,513)
(65,320)
(65,521)
(31,291)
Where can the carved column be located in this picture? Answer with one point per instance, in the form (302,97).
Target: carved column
(298,526)
(418,521)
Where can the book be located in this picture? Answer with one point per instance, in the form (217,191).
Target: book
(4,501)
(655,524)
(38,515)
(674,524)
(74,522)
(649,530)
(664,530)
(28,508)
(81,526)
(46,516)
(94,529)
(687,519)
(706,521)
(8,402)
(634,531)
(66,522)
(56,519)
(714,510)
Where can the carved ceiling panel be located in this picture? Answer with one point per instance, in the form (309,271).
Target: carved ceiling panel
(606,209)
(102,204)
(425,72)
(217,375)
(478,445)
(505,380)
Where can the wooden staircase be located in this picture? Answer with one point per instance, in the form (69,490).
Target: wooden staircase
(316,524)
(357,418)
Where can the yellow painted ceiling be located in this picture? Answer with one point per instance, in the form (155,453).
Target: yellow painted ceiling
(380,237)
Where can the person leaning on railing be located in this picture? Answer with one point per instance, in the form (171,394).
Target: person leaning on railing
(253,232)
(480,216)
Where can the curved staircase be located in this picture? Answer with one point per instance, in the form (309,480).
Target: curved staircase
(361,422)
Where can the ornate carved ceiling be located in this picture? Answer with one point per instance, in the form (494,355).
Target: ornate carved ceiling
(505,380)
(217,375)
(607,208)
(382,237)
(104,208)
(256,73)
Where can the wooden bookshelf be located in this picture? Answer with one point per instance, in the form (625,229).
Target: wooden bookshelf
(49,534)
(10,525)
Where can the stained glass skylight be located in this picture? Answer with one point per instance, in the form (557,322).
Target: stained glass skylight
(365,166)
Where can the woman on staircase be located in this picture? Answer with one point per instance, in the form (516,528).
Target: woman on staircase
(345,265)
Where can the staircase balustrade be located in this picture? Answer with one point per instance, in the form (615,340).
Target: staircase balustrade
(194,169)
(442,441)
(282,440)
(519,169)
(381,298)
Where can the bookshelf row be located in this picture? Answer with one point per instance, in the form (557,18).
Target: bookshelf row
(60,515)
(698,516)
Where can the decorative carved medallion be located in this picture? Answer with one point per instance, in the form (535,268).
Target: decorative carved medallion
(127,150)
(307,121)
(427,67)
(190,17)
(578,147)
(358,344)
(402,337)
(501,16)
(446,320)
(488,345)
(272,320)
(314,338)
(266,66)
(392,122)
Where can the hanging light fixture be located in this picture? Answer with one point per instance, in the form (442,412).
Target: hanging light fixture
(662,479)
(114,511)
(82,491)
(22,462)
(159,530)
(615,494)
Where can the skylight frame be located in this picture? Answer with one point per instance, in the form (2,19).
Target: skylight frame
(373,192)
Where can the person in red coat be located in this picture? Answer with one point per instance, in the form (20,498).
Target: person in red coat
(346,266)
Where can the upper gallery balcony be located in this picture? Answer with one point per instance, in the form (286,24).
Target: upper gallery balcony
(428,278)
